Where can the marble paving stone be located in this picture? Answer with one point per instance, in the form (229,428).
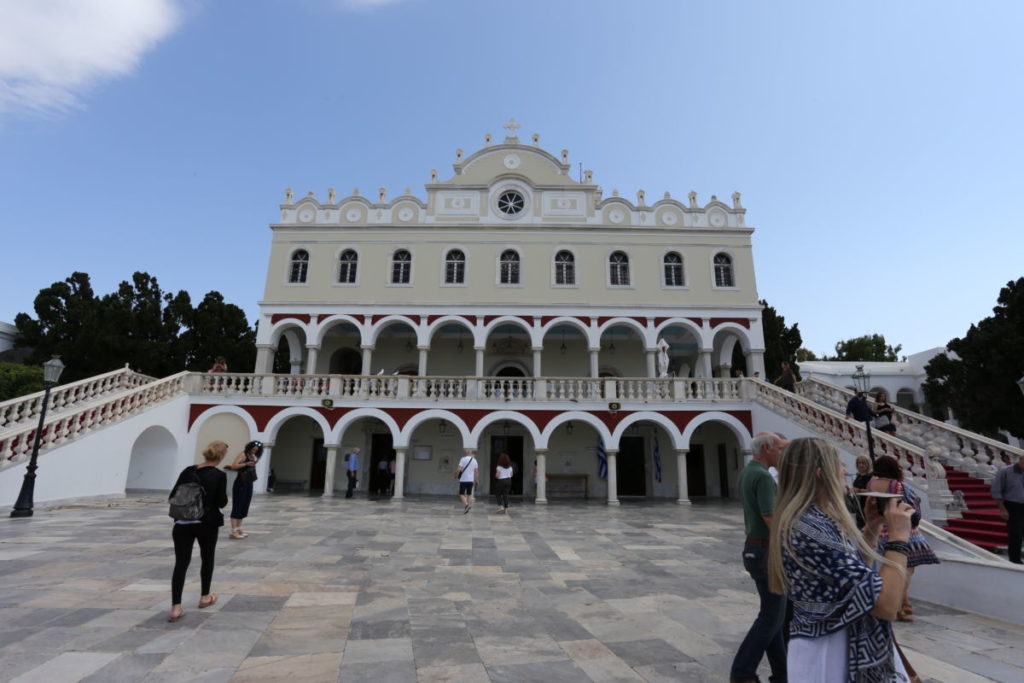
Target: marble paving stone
(462,673)
(67,666)
(309,668)
(127,668)
(369,651)
(539,672)
(377,672)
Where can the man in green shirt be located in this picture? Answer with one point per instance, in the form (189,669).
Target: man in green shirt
(757,491)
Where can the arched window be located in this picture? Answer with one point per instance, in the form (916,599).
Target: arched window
(723,271)
(401,267)
(509,267)
(300,266)
(347,267)
(455,268)
(618,269)
(674,270)
(565,268)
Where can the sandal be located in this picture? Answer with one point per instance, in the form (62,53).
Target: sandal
(209,603)
(903,616)
(175,617)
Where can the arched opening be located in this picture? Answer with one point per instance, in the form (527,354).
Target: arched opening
(510,371)
(339,350)
(509,345)
(683,350)
(713,462)
(154,461)
(376,461)
(346,361)
(299,459)
(507,436)
(433,457)
(728,354)
(566,352)
(291,349)
(395,349)
(622,347)
(451,352)
(905,400)
(646,463)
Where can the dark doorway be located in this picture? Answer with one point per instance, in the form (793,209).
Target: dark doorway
(318,468)
(695,480)
(513,445)
(381,450)
(346,361)
(629,467)
(723,470)
(510,371)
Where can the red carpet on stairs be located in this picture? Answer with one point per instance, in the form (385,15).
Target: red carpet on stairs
(981,524)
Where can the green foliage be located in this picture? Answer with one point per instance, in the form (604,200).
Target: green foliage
(870,347)
(154,332)
(17,380)
(980,382)
(803,354)
(781,343)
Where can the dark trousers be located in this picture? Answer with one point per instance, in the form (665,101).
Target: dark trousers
(501,489)
(1014,530)
(766,634)
(185,535)
(351,483)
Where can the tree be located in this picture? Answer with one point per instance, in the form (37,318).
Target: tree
(780,342)
(18,380)
(217,328)
(978,380)
(870,347)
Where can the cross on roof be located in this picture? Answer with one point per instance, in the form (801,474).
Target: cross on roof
(512,126)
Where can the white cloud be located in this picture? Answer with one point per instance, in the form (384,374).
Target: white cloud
(53,51)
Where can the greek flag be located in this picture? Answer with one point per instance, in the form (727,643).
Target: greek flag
(602,459)
(657,459)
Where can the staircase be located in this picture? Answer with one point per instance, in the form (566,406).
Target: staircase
(981,523)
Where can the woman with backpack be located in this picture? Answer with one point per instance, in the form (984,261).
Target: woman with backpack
(241,491)
(196,499)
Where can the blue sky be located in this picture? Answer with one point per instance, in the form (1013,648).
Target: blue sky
(877,144)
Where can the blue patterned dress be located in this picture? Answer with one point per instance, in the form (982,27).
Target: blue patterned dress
(833,589)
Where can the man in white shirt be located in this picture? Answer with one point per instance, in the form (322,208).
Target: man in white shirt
(469,475)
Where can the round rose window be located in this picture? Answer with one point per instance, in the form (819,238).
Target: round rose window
(511,202)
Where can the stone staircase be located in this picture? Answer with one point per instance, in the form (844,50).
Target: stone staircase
(981,523)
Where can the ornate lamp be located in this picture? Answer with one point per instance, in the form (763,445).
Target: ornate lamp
(23,507)
(862,382)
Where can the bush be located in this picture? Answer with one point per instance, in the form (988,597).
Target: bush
(18,380)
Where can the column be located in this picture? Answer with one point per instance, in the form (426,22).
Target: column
(479,360)
(704,363)
(332,459)
(262,468)
(613,477)
(594,362)
(312,354)
(264,359)
(684,489)
(536,361)
(424,350)
(748,455)
(367,359)
(652,365)
(399,473)
(725,370)
(542,478)
(755,363)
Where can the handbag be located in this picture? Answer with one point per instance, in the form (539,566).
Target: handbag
(459,470)
(247,475)
(881,422)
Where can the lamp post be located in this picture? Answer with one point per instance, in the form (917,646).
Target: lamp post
(862,382)
(23,507)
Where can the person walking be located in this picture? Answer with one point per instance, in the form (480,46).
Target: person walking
(757,492)
(244,465)
(469,476)
(503,481)
(884,414)
(1008,492)
(352,471)
(787,379)
(843,607)
(204,530)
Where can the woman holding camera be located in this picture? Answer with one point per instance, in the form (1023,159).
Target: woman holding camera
(241,491)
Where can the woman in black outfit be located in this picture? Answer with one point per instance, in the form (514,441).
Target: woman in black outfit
(883,409)
(186,533)
(241,491)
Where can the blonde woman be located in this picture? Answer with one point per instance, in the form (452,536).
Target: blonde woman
(842,607)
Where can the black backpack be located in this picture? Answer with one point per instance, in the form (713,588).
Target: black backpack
(188,503)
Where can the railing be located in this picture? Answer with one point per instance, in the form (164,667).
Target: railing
(966,451)
(25,409)
(71,424)
(922,469)
(506,389)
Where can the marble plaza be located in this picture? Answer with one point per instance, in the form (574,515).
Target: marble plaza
(357,590)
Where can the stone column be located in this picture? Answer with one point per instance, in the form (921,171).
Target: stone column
(748,455)
(684,491)
(542,478)
(479,360)
(332,460)
(424,350)
(595,363)
(264,359)
(613,478)
(725,370)
(704,363)
(536,361)
(755,363)
(399,473)
(367,359)
(312,354)
(652,365)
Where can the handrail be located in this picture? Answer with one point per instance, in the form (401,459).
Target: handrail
(26,409)
(972,453)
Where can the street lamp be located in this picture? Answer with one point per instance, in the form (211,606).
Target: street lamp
(23,507)
(862,382)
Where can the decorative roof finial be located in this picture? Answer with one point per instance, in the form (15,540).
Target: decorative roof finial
(641,197)
(565,156)
(289,195)
(434,175)
(330,195)
(382,195)
(512,126)
(487,138)
(458,155)
(693,199)
(736,201)
(536,139)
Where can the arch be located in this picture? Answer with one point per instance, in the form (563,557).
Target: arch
(154,460)
(232,410)
(738,428)
(724,341)
(485,332)
(289,327)
(641,331)
(345,361)
(274,424)
(697,330)
(427,334)
(420,418)
(510,365)
(378,327)
(573,416)
(571,322)
(499,416)
(649,416)
(347,419)
(318,331)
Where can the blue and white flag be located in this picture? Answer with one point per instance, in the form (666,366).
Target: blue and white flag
(602,459)
(657,459)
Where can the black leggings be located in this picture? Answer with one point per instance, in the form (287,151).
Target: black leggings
(502,487)
(184,535)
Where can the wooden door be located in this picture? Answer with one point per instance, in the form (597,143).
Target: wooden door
(318,466)
(630,467)
(695,479)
